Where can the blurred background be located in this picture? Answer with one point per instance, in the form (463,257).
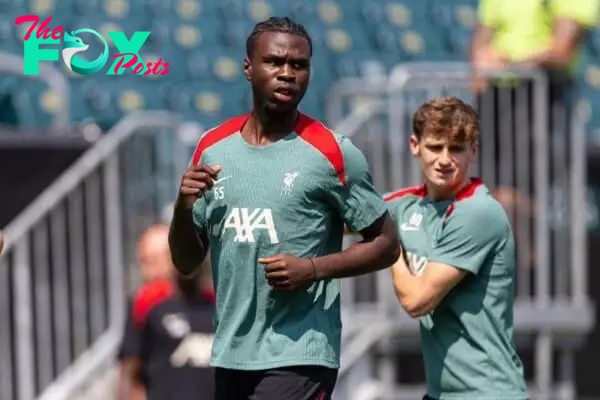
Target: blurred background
(88,163)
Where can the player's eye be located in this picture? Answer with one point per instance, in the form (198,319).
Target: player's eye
(300,65)
(435,147)
(275,61)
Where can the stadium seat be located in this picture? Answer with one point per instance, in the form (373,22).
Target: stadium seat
(83,7)
(227,66)
(252,10)
(355,63)
(422,44)
(35,102)
(198,65)
(303,11)
(398,13)
(340,38)
(190,35)
(186,10)
(234,33)
(47,8)
(208,102)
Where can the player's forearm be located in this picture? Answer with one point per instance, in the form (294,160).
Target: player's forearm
(188,250)
(360,258)
(417,295)
(551,58)
(129,387)
(408,290)
(481,42)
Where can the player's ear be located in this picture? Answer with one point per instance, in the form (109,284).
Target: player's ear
(414,143)
(247,68)
(474,147)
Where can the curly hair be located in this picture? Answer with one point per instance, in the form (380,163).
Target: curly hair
(276,24)
(447,117)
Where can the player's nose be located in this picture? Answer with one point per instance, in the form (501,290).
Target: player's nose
(286,73)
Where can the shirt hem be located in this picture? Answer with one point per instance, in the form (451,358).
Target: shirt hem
(253,366)
(370,220)
(479,396)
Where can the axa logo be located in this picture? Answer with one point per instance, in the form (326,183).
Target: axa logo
(248,222)
(128,56)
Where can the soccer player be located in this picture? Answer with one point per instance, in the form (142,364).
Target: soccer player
(456,272)
(268,194)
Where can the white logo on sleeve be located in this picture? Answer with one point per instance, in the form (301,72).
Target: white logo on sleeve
(414,222)
(246,222)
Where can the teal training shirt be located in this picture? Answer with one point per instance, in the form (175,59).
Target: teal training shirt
(293,197)
(467,341)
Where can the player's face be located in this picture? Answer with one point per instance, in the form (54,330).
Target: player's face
(444,163)
(155,262)
(279,70)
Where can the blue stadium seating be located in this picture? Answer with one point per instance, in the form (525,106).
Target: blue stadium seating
(204,43)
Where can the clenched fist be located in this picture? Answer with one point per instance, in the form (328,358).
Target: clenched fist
(196,180)
(286,272)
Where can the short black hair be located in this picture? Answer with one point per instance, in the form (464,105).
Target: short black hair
(277,24)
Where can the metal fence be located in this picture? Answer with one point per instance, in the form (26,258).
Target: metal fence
(532,157)
(67,266)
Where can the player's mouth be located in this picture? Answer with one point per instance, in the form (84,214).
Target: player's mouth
(285,94)
(444,172)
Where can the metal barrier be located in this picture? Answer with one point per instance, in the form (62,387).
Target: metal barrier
(66,268)
(533,160)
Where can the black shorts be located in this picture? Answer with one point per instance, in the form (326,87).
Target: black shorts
(427,397)
(289,383)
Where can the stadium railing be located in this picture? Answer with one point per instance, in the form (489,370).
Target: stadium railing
(12,64)
(553,311)
(69,257)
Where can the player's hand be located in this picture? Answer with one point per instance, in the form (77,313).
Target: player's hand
(287,272)
(196,180)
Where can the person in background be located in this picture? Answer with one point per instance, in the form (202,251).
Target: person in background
(168,330)
(532,33)
(153,253)
(544,35)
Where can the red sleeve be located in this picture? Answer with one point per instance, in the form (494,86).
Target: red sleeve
(148,297)
(208,293)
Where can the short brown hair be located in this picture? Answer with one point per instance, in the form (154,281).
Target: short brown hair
(447,117)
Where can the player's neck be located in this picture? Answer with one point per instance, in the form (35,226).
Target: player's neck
(263,128)
(446,193)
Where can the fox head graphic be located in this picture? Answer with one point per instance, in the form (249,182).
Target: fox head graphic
(71,46)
